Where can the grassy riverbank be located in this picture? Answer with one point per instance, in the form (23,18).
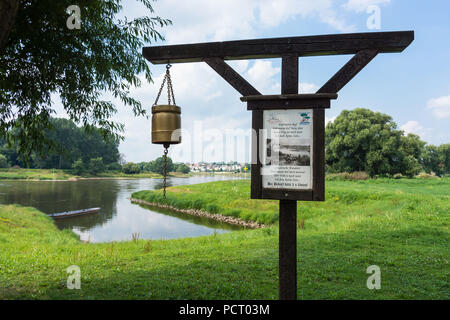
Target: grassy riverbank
(344,198)
(399,225)
(58,174)
(223,173)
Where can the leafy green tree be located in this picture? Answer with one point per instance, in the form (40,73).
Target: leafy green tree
(40,56)
(66,138)
(412,149)
(3,162)
(92,145)
(115,166)
(96,165)
(444,150)
(437,159)
(10,152)
(146,166)
(131,168)
(158,165)
(70,143)
(412,145)
(150,166)
(363,140)
(78,167)
(183,168)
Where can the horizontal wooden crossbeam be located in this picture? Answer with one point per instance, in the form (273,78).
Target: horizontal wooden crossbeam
(351,43)
(289,101)
(303,96)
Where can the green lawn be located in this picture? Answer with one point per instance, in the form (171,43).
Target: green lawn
(34,174)
(399,225)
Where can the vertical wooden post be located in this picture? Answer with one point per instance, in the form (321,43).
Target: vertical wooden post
(287,260)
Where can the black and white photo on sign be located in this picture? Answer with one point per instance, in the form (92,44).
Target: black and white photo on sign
(285,154)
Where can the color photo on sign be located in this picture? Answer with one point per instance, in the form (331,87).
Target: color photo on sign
(287,144)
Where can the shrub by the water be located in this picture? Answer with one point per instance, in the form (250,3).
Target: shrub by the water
(131,168)
(343,176)
(3,161)
(115,166)
(78,167)
(96,165)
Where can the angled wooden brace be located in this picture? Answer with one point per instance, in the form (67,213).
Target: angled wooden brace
(348,71)
(231,76)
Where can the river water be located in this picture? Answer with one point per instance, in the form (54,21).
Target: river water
(118,218)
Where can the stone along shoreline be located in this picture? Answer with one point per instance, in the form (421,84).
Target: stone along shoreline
(201,213)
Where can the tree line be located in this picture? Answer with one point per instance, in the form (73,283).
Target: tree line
(363,140)
(357,140)
(82,150)
(156,166)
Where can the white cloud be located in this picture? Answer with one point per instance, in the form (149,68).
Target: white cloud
(415,127)
(362,5)
(328,120)
(272,13)
(239,65)
(440,106)
(306,87)
(261,75)
(330,17)
(191,81)
(197,20)
(202,20)
(212,138)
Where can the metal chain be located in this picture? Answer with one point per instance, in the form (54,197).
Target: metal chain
(166,150)
(168,82)
(169,87)
(160,90)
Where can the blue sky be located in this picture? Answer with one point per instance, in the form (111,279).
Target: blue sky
(413,87)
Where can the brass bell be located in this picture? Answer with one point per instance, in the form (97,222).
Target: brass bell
(166,119)
(166,124)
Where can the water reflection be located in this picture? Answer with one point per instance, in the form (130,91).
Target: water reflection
(118,218)
(159,184)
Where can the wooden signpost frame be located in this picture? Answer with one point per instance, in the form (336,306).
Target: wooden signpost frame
(364,46)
